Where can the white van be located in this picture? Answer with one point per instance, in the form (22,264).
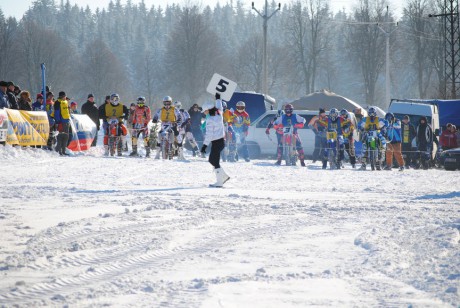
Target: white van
(260,144)
(415,110)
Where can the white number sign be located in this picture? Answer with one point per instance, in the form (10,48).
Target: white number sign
(222,85)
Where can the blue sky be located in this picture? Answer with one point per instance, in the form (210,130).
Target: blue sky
(17,8)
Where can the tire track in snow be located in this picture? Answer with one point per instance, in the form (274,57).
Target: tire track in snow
(123,266)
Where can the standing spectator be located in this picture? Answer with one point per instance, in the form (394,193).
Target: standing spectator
(407,137)
(195,123)
(393,135)
(448,138)
(25,102)
(38,104)
(101,112)
(11,96)
(90,108)
(215,136)
(50,113)
(74,108)
(320,133)
(4,102)
(62,118)
(424,138)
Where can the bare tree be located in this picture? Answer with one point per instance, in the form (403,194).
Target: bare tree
(192,55)
(421,36)
(103,73)
(306,29)
(367,45)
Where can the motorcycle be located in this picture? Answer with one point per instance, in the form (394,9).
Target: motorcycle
(289,146)
(332,148)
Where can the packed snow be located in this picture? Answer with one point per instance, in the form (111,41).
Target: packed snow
(89,230)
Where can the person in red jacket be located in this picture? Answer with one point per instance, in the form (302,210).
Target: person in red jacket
(448,138)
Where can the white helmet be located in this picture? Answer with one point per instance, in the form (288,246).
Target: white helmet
(167,99)
(114,98)
(240,105)
(178,105)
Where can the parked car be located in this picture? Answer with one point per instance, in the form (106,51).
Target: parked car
(451,159)
(259,144)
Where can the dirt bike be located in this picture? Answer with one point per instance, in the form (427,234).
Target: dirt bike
(231,144)
(167,142)
(332,148)
(289,146)
(114,134)
(371,148)
(153,137)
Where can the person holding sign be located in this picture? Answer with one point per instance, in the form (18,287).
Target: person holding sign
(215,136)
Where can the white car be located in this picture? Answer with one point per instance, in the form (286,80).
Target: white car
(259,143)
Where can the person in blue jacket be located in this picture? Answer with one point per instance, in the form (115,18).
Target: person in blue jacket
(393,135)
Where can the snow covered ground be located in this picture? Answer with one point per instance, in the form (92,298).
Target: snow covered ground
(95,231)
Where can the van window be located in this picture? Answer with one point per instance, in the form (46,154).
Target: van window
(414,119)
(263,123)
(308,118)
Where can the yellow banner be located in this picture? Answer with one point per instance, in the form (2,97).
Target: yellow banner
(27,127)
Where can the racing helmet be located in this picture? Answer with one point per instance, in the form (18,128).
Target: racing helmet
(390,117)
(141,101)
(372,112)
(167,101)
(114,98)
(334,114)
(344,113)
(288,109)
(178,105)
(240,106)
(224,105)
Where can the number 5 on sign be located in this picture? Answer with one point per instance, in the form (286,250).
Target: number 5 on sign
(222,85)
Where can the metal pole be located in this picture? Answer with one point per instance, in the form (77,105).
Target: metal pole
(387,71)
(265,28)
(43,84)
(265,47)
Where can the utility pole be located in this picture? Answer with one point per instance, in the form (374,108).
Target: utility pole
(451,47)
(265,26)
(387,62)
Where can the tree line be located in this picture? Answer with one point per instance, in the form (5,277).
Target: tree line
(135,50)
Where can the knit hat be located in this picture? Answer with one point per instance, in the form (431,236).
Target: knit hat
(39,95)
(90,95)
(321,110)
(3,84)
(62,94)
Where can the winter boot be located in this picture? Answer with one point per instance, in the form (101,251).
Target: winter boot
(180,153)
(195,150)
(106,150)
(147,152)
(363,167)
(302,163)
(119,148)
(219,178)
(157,156)
(278,162)
(226,177)
(134,152)
(324,164)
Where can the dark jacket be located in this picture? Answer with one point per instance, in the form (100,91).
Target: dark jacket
(4,103)
(12,100)
(24,105)
(195,117)
(92,111)
(424,136)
